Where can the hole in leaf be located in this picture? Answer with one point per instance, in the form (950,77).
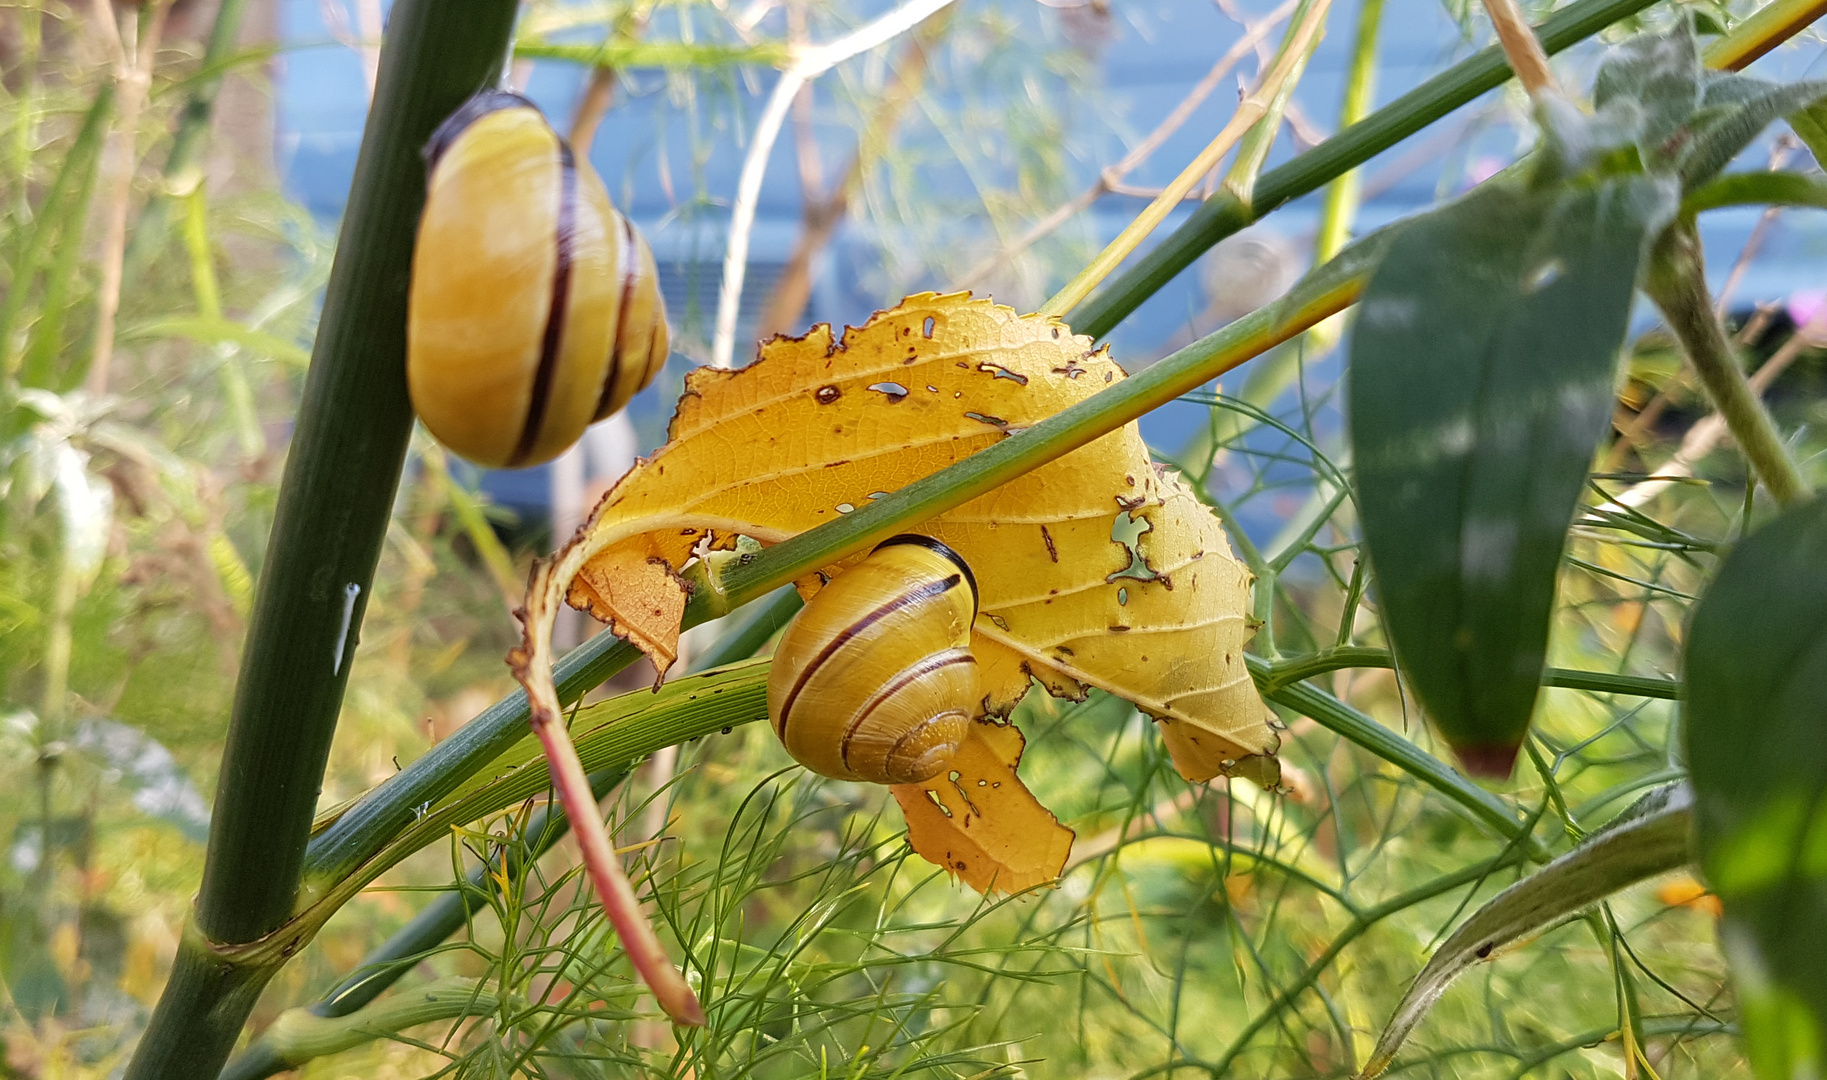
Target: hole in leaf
(1126,532)
(929,326)
(894,391)
(1001,372)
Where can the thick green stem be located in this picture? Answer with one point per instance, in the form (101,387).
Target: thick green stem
(1677,283)
(285,1045)
(205,1002)
(334,506)
(1224,214)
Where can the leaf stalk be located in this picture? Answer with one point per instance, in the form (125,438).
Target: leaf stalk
(1677,283)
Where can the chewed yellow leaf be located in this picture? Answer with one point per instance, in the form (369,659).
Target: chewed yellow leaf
(979,821)
(1098,569)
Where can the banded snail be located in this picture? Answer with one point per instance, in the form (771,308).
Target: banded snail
(535,307)
(875,680)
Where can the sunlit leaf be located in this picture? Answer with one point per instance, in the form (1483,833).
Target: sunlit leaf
(1756,724)
(980,822)
(1096,570)
(1481,378)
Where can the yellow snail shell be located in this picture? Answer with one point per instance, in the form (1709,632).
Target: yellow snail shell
(875,680)
(535,307)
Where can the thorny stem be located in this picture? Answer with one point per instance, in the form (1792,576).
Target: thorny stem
(1249,112)
(1677,283)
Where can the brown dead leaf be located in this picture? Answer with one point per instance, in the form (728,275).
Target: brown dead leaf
(979,821)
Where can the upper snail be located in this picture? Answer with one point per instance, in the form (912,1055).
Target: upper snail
(535,307)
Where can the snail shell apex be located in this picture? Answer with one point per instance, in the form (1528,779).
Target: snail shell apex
(875,679)
(534,306)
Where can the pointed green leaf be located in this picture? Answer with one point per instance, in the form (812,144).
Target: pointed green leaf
(1650,838)
(1757,189)
(1810,125)
(1756,723)
(1482,373)
(1733,110)
(1660,74)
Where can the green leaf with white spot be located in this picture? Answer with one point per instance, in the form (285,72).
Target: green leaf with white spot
(1481,378)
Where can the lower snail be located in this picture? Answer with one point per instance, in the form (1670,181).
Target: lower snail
(535,307)
(875,680)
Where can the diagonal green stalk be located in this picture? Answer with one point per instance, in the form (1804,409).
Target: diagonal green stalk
(1676,281)
(334,507)
(278,1050)
(1224,214)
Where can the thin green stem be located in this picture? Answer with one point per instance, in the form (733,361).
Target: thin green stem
(1299,668)
(335,503)
(278,1049)
(1342,196)
(1224,214)
(1253,148)
(150,230)
(1359,926)
(1677,283)
(1357,728)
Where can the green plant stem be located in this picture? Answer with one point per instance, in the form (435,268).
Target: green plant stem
(281,1047)
(1224,214)
(334,507)
(1253,149)
(1355,727)
(1295,669)
(1340,210)
(1767,28)
(1360,925)
(300,1035)
(1677,283)
(150,230)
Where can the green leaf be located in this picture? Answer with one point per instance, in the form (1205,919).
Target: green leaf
(1810,125)
(1648,839)
(1757,189)
(1756,723)
(1658,73)
(1482,373)
(1733,110)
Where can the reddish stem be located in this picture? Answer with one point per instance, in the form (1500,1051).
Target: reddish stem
(631,926)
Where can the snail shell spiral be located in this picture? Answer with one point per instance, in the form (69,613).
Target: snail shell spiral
(875,680)
(534,307)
